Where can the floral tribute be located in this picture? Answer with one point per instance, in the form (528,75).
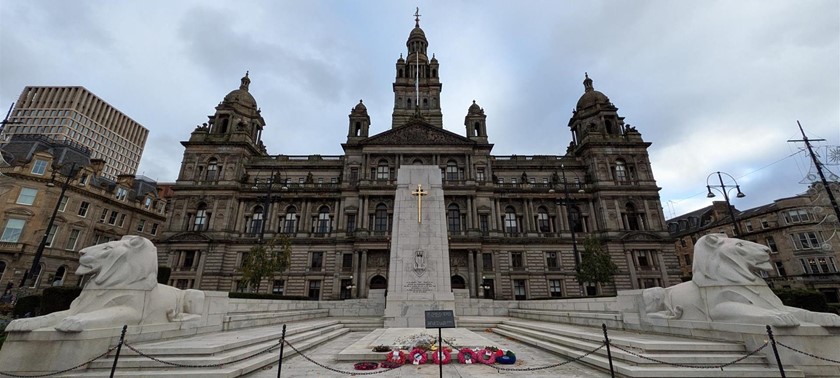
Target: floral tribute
(365,365)
(467,356)
(486,356)
(418,356)
(396,357)
(447,356)
(506,359)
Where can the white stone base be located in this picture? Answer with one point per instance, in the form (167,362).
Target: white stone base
(408,311)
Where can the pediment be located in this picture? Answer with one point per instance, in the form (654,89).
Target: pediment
(417,132)
(641,236)
(189,237)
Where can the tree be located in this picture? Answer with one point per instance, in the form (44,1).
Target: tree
(596,266)
(265,260)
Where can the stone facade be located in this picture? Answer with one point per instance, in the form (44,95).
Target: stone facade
(94,210)
(507,216)
(801,232)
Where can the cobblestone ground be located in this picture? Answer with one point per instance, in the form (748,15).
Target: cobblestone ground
(527,356)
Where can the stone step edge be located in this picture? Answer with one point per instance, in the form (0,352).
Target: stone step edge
(710,357)
(601,362)
(239,368)
(597,335)
(268,314)
(292,329)
(579,314)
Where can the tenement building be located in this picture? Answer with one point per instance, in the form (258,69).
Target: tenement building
(511,219)
(800,231)
(75,114)
(42,179)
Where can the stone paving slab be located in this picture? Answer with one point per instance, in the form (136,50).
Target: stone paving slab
(297,366)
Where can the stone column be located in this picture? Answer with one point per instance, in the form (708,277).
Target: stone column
(662,269)
(631,266)
(471,272)
(363,275)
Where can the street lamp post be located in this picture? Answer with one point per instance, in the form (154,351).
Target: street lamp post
(29,275)
(572,222)
(724,189)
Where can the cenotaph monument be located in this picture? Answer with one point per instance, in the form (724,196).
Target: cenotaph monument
(418,276)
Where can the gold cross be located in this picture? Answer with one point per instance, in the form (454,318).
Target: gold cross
(419,193)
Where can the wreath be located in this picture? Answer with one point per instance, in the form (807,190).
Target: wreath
(365,365)
(507,359)
(418,356)
(467,356)
(390,365)
(396,357)
(487,357)
(447,356)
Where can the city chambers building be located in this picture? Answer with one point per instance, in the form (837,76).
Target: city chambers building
(514,222)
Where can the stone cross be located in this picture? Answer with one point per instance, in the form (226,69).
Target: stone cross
(419,193)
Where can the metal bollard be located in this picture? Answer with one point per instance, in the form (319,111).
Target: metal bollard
(282,343)
(609,354)
(119,346)
(775,351)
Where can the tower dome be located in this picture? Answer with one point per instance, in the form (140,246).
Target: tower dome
(590,97)
(241,96)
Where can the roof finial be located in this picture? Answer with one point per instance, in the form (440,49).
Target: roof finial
(245,82)
(587,83)
(417,18)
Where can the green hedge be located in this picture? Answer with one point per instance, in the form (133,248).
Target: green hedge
(28,304)
(807,299)
(58,298)
(268,296)
(163,274)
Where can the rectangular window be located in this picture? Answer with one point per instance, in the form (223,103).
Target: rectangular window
(121,193)
(83,179)
(796,216)
(113,218)
(314,289)
(812,263)
(317,261)
(63,204)
(516,260)
(122,220)
(487,261)
(278,287)
(552,260)
(103,216)
(479,175)
(643,259)
(780,269)
(51,235)
(83,208)
(347,261)
(14,227)
(555,289)
(806,240)
(141,225)
(748,225)
(154,229)
(825,267)
(27,196)
(354,175)
(484,223)
(71,241)
(771,243)
(519,291)
(765,223)
(351,222)
(189,259)
(40,167)
(243,259)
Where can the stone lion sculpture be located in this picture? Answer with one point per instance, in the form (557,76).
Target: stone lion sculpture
(122,290)
(724,288)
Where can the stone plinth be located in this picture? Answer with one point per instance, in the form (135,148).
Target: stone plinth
(418,275)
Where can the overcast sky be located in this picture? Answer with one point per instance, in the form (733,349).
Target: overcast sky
(714,85)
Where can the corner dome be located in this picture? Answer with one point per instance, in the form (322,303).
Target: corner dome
(360,107)
(591,97)
(474,108)
(241,96)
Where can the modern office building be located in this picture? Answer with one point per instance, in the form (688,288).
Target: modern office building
(75,114)
(514,221)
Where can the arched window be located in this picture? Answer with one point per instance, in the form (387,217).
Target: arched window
(378,282)
(452,171)
(58,279)
(212,170)
(380,218)
(201,218)
(417,162)
(510,220)
(477,127)
(458,282)
(224,127)
(290,221)
(620,170)
(543,222)
(383,172)
(401,73)
(434,72)
(408,103)
(425,103)
(358,130)
(575,219)
(453,216)
(323,220)
(256,221)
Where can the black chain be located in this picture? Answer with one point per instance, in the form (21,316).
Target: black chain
(61,371)
(551,366)
(338,370)
(807,354)
(153,358)
(733,362)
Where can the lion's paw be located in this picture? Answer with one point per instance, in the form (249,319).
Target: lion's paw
(71,324)
(829,320)
(783,319)
(22,325)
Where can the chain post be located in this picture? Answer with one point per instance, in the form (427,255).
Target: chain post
(609,354)
(119,347)
(775,351)
(282,343)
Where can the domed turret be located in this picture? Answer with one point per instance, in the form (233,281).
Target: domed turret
(591,97)
(241,96)
(476,123)
(359,123)
(360,108)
